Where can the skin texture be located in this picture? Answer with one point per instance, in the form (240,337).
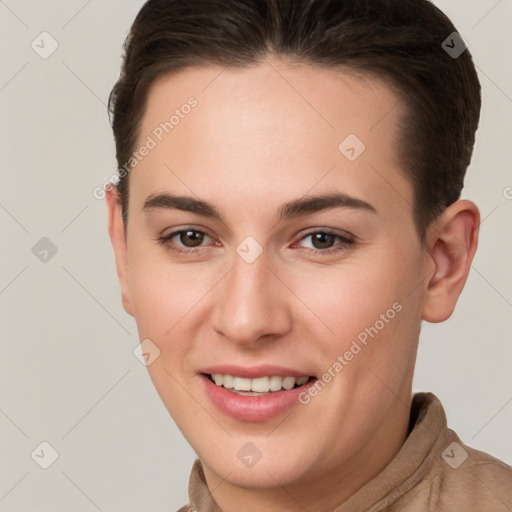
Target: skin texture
(259,137)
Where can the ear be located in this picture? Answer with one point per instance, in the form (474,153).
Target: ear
(116,230)
(452,241)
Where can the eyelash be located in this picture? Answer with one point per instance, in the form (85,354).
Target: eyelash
(346,243)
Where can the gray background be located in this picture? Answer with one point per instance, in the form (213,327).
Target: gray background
(68,375)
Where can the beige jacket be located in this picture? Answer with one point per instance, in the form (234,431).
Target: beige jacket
(433,472)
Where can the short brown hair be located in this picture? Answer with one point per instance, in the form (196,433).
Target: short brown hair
(399,41)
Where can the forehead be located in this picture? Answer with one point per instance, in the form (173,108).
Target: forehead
(276,94)
(271,129)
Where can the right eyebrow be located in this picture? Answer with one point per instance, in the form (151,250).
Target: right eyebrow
(185,203)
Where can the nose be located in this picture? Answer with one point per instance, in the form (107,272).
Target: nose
(252,303)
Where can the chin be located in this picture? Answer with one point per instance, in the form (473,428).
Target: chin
(275,466)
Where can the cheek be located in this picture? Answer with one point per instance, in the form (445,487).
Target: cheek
(163,295)
(368,301)
(349,297)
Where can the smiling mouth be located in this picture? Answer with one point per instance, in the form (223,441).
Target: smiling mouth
(259,386)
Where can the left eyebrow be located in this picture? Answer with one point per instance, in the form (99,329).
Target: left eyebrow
(312,204)
(289,210)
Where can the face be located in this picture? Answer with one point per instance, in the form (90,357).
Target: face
(265,287)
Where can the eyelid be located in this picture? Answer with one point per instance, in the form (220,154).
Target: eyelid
(178,231)
(347,240)
(185,227)
(168,234)
(165,240)
(330,231)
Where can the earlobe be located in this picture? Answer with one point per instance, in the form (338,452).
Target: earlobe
(452,246)
(116,230)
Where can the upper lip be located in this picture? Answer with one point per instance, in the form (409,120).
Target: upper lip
(254,372)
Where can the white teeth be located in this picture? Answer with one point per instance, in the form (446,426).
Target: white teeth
(229,381)
(276,383)
(288,382)
(241,384)
(259,385)
(302,380)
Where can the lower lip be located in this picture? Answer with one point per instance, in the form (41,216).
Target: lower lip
(253,408)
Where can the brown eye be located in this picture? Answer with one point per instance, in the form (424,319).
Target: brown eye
(184,240)
(191,238)
(323,240)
